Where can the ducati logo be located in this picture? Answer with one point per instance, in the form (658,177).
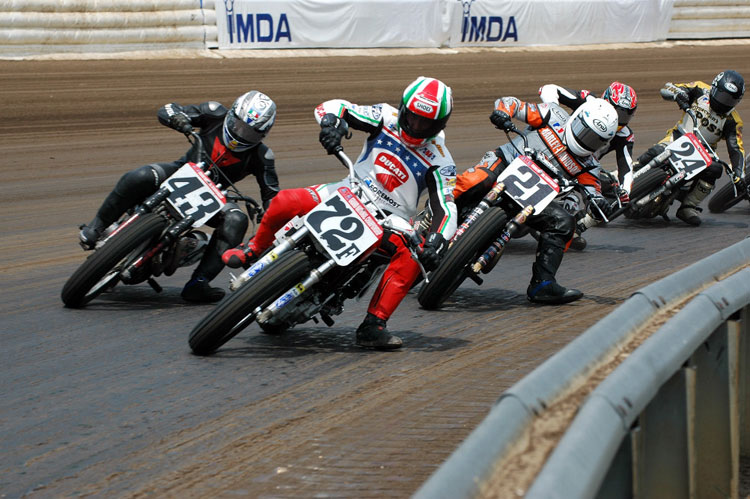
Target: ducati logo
(395,173)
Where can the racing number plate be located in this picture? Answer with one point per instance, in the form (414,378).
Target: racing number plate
(192,193)
(689,154)
(527,184)
(343,226)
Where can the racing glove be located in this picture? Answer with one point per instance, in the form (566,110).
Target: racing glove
(181,123)
(501,120)
(623,195)
(682,99)
(332,129)
(430,256)
(603,205)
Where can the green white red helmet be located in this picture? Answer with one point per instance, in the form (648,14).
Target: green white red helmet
(424,111)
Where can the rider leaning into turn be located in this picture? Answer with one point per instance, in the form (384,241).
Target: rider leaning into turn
(625,101)
(233,140)
(404,155)
(714,106)
(569,142)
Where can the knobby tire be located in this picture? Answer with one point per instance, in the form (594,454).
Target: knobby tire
(451,271)
(77,291)
(228,317)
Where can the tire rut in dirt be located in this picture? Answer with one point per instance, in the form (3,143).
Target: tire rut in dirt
(76,291)
(450,273)
(219,326)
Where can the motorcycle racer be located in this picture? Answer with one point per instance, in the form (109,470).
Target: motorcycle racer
(569,142)
(714,106)
(625,102)
(403,156)
(233,140)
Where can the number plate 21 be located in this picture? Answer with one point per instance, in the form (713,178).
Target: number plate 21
(527,184)
(343,226)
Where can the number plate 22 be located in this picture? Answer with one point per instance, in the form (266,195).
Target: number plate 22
(527,184)
(343,226)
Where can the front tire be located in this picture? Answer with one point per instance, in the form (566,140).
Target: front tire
(234,312)
(451,272)
(101,270)
(643,186)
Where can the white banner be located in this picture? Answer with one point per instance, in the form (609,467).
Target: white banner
(556,22)
(329,23)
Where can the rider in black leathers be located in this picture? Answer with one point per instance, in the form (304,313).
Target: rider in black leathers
(233,140)
(569,142)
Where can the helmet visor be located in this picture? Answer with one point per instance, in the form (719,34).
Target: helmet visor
(624,115)
(586,136)
(241,131)
(723,102)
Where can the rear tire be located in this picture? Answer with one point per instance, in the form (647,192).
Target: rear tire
(451,272)
(232,314)
(101,270)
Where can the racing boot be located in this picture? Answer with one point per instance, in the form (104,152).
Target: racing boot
(578,242)
(688,211)
(198,290)
(543,287)
(241,256)
(372,333)
(91,233)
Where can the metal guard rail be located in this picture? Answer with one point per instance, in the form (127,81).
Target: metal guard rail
(593,458)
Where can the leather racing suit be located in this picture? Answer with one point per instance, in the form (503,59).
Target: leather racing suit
(231,223)
(397,175)
(555,224)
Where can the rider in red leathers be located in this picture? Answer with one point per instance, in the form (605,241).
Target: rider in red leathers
(404,155)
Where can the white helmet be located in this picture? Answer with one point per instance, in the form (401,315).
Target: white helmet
(590,127)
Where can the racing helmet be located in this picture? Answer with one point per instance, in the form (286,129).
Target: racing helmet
(623,99)
(590,127)
(248,121)
(726,91)
(425,108)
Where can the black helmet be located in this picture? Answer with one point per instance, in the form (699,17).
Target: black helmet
(726,91)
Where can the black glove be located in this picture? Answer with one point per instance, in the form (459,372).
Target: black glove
(682,99)
(501,120)
(603,205)
(332,129)
(430,256)
(181,123)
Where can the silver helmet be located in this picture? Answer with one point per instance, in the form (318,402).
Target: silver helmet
(248,121)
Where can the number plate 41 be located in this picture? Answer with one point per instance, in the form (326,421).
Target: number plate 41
(343,226)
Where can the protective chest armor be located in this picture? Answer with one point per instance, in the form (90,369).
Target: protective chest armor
(710,124)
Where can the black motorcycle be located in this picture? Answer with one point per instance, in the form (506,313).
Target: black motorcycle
(158,236)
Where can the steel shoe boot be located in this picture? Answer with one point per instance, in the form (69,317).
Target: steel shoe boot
(551,293)
(372,333)
(198,290)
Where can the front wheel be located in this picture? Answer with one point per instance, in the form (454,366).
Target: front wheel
(643,186)
(453,268)
(237,311)
(725,197)
(102,269)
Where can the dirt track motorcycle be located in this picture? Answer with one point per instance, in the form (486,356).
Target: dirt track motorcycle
(158,236)
(730,194)
(317,262)
(667,177)
(526,186)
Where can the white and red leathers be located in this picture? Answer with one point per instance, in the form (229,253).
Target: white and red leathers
(398,175)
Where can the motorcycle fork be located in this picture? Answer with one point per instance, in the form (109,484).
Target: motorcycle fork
(487,201)
(487,261)
(295,291)
(170,236)
(286,244)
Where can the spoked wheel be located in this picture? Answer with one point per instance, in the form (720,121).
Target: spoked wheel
(102,269)
(454,267)
(235,312)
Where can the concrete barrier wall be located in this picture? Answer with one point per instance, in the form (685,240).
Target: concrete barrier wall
(703,19)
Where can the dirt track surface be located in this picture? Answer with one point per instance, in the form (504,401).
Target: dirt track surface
(108,400)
